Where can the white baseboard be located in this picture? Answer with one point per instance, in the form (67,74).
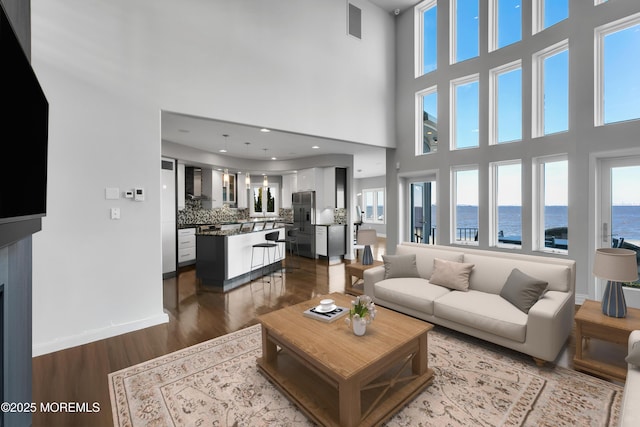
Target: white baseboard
(96,335)
(580,298)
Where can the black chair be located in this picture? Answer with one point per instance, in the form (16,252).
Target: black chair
(271,239)
(291,239)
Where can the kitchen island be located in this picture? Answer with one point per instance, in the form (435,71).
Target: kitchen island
(223,257)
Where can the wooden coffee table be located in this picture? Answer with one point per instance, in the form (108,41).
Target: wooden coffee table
(337,378)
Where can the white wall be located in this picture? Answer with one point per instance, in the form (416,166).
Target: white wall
(582,143)
(108,67)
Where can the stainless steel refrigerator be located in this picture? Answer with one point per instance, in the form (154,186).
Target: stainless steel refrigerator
(304,219)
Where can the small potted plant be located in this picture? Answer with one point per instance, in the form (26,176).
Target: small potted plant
(362,312)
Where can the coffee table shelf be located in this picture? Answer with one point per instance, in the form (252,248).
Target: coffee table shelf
(337,378)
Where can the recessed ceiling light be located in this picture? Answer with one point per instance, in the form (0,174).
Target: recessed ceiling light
(223,150)
(265,130)
(184,130)
(274,158)
(315,147)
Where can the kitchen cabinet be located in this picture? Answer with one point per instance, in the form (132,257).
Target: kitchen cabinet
(168,216)
(211,188)
(243,197)
(229,193)
(186,246)
(181,183)
(335,188)
(321,240)
(289,186)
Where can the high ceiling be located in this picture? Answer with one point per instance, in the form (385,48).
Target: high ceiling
(207,134)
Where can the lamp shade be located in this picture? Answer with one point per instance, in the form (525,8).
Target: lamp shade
(367,237)
(616,265)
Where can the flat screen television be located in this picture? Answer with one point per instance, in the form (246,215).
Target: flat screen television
(24,126)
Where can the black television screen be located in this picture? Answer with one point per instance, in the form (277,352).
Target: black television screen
(24,130)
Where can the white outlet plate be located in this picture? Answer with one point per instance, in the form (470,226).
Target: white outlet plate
(115,213)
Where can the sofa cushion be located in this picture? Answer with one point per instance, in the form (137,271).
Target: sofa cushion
(400,266)
(415,293)
(522,290)
(453,275)
(484,311)
(633,357)
(425,255)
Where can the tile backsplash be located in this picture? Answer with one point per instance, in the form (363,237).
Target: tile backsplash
(194,213)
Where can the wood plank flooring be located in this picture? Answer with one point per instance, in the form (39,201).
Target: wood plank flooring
(79,374)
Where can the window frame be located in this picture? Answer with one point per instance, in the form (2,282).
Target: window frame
(494,27)
(419,11)
(275,191)
(454,203)
(538,210)
(538,87)
(599,34)
(537,16)
(494,75)
(420,118)
(453,118)
(493,203)
(453,33)
(375,192)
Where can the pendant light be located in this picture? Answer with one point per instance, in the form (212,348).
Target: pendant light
(265,180)
(247,178)
(224,150)
(225,177)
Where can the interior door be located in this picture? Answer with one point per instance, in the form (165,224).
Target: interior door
(620,206)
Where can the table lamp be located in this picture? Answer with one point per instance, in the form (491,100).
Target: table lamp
(367,238)
(616,265)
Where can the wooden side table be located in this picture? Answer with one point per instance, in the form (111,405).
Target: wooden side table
(356,270)
(592,323)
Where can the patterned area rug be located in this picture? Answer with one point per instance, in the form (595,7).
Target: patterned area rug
(217,383)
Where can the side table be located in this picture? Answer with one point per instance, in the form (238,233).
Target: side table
(592,323)
(356,270)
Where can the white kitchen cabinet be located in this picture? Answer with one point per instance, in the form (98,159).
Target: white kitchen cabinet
(168,216)
(310,180)
(186,246)
(211,188)
(321,240)
(289,186)
(329,199)
(243,198)
(180,189)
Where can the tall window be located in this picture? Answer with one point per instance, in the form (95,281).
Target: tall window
(617,64)
(551,222)
(427,120)
(465,27)
(464,126)
(265,200)
(549,12)
(465,205)
(426,24)
(550,113)
(505,23)
(507,204)
(373,202)
(506,103)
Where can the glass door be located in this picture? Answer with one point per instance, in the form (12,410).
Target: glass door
(620,206)
(423,225)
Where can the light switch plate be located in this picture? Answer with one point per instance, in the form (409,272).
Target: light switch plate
(115,213)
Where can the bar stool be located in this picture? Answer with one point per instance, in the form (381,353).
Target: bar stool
(265,246)
(291,239)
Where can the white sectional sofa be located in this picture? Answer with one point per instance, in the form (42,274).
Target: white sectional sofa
(480,310)
(630,416)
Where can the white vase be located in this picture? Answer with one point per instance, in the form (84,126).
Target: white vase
(359,327)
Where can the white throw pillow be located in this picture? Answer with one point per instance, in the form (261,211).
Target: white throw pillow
(450,274)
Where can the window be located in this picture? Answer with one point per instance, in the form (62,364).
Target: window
(427,121)
(505,23)
(506,217)
(427,37)
(465,205)
(550,110)
(617,62)
(465,34)
(465,107)
(549,12)
(373,202)
(265,200)
(551,218)
(506,103)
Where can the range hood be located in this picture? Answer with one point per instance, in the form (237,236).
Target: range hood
(193,183)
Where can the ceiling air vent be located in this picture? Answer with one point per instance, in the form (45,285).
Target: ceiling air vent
(355,21)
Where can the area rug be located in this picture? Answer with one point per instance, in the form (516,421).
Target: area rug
(217,383)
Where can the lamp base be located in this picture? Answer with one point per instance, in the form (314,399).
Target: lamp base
(367,256)
(613,303)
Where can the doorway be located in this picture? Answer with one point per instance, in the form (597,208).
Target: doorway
(422,222)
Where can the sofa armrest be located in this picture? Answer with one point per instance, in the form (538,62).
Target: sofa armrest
(629,410)
(371,277)
(634,337)
(549,324)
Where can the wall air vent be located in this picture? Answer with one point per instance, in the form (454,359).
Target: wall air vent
(354,21)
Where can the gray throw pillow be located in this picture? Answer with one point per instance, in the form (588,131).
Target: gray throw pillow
(633,358)
(522,290)
(396,266)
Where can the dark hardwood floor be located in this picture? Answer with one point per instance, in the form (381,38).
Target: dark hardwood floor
(79,374)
